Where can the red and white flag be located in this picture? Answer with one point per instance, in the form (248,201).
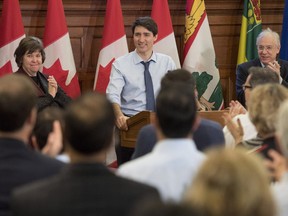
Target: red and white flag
(59,60)
(199,55)
(114,44)
(12,31)
(165,43)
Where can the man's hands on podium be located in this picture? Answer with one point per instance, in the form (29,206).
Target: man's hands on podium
(121,122)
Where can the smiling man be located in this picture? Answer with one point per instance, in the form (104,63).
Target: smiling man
(268,46)
(130,88)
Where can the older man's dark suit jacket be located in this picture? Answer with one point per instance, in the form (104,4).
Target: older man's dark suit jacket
(44,98)
(20,165)
(82,190)
(242,74)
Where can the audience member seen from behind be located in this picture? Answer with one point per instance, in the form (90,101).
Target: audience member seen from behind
(175,159)
(278,164)
(231,182)
(86,186)
(263,106)
(206,133)
(48,119)
(127,85)
(30,56)
(257,76)
(18,164)
(268,46)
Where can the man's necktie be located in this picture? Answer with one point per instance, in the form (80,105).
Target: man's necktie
(150,100)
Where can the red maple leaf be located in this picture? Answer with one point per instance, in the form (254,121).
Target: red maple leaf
(6,69)
(103,77)
(60,75)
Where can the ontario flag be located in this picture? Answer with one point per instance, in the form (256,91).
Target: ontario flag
(199,55)
(59,60)
(12,32)
(166,39)
(114,44)
(250,28)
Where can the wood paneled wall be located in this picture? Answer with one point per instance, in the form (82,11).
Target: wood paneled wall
(85,20)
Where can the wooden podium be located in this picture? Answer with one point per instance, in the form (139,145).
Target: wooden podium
(135,123)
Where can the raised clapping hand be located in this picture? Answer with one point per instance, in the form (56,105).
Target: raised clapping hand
(236,108)
(52,86)
(274,66)
(235,129)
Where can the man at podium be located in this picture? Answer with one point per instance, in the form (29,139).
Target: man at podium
(135,78)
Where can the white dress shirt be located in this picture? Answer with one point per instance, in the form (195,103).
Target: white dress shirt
(170,167)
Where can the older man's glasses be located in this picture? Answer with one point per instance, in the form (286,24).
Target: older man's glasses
(267,48)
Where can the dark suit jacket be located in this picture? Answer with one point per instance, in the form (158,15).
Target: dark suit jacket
(208,134)
(20,165)
(44,98)
(82,190)
(242,74)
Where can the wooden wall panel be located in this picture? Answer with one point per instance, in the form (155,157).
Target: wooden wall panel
(85,20)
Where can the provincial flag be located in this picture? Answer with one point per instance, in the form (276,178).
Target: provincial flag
(165,43)
(284,36)
(59,60)
(12,32)
(250,28)
(114,44)
(199,55)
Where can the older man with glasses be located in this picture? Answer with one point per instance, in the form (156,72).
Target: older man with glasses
(268,46)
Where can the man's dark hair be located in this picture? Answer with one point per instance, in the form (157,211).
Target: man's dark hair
(89,123)
(259,75)
(28,44)
(146,22)
(176,110)
(17,99)
(44,124)
(179,76)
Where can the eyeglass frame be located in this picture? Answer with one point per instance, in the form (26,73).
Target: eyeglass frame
(267,48)
(244,87)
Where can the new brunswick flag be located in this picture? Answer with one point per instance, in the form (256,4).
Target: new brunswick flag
(199,55)
(250,28)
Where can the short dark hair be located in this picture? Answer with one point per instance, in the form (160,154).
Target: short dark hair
(176,110)
(89,123)
(179,76)
(17,100)
(44,124)
(146,22)
(28,44)
(259,75)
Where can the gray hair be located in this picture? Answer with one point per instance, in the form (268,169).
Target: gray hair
(269,32)
(282,126)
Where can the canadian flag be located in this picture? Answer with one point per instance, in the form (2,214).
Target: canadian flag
(12,31)
(114,44)
(59,60)
(165,43)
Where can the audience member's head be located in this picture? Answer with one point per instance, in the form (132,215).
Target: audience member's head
(89,124)
(17,103)
(258,76)
(179,76)
(146,22)
(263,106)
(44,126)
(28,45)
(282,127)
(231,182)
(176,110)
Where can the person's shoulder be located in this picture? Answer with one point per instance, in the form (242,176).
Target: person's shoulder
(162,56)
(248,64)
(283,62)
(125,57)
(210,124)
(148,129)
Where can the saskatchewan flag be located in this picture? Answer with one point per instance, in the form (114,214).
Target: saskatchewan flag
(199,55)
(250,28)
